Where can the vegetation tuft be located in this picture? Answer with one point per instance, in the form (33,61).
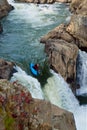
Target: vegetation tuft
(44,73)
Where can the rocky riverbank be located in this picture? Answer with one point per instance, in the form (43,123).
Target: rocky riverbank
(63,42)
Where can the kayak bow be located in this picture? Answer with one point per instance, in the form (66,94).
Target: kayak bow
(34,72)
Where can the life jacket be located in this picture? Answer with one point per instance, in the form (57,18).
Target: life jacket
(36,67)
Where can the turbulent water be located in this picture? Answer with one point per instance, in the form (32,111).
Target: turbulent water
(56,91)
(23,28)
(82,73)
(19,42)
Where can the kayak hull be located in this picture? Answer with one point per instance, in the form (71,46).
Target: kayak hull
(34,72)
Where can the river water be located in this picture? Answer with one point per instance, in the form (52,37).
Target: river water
(19,42)
(23,28)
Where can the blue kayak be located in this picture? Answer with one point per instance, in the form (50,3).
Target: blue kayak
(34,72)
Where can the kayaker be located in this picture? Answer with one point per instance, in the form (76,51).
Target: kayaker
(36,67)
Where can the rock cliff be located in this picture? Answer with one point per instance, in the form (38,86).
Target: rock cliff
(62,52)
(78,24)
(19,111)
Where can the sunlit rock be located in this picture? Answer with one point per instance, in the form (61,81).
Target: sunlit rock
(78,28)
(79,7)
(62,52)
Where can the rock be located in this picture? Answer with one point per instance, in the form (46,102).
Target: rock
(58,33)
(62,52)
(74,86)
(4,8)
(79,7)
(78,24)
(62,58)
(78,29)
(19,111)
(5,69)
(59,119)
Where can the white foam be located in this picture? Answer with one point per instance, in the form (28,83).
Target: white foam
(59,93)
(31,83)
(81,118)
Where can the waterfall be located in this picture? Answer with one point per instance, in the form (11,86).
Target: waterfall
(59,93)
(82,73)
(80,116)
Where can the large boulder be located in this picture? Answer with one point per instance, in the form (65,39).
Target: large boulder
(19,111)
(5,69)
(5,7)
(62,57)
(62,52)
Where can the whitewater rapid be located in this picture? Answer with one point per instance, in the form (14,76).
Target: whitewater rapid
(26,80)
(57,91)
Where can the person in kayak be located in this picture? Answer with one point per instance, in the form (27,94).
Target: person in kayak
(36,67)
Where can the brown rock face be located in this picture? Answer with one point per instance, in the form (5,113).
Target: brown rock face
(58,33)
(79,7)
(62,56)
(21,112)
(5,69)
(78,28)
(4,8)
(78,23)
(62,52)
